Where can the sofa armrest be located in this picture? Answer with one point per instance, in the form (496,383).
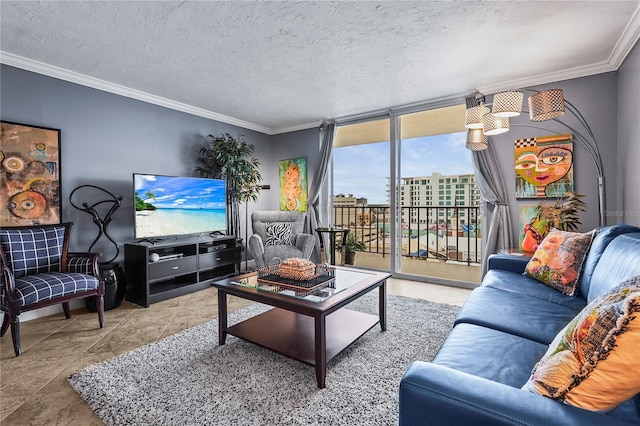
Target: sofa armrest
(83,263)
(434,394)
(508,262)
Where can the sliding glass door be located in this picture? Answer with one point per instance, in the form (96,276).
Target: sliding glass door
(405,187)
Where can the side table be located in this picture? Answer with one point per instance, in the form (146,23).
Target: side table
(332,233)
(516,252)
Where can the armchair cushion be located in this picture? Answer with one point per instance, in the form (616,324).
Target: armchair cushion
(52,285)
(33,251)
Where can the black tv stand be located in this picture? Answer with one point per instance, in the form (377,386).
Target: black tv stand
(152,241)
(169,269)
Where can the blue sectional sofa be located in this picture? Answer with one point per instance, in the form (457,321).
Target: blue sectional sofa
(503,329)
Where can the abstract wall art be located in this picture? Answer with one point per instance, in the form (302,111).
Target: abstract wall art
(293,184)
(544,166)
(29,175)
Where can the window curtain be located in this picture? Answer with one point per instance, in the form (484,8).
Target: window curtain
(313,205)
(494,206)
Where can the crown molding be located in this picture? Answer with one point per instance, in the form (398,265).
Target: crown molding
(95,83)
(280,130)
(623,47)
(627,40)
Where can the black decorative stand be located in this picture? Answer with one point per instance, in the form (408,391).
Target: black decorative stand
(110,272)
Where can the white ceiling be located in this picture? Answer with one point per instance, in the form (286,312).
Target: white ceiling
(276,66)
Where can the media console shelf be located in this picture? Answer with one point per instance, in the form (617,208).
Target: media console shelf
(168,269)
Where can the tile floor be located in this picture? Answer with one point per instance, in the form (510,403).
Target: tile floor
(34,388)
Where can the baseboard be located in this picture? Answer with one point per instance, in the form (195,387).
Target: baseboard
(48,311)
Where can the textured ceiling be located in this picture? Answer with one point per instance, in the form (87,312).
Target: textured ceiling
(278,66)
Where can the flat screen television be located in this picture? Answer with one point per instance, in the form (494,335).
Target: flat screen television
(173,205)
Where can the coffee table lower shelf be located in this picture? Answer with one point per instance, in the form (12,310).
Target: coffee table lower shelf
(293,335)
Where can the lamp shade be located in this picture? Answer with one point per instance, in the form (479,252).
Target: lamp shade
(507,104)
(546,105)
(493,125)
(473,117)
(476,141)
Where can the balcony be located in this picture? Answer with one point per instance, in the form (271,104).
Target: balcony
(441,242)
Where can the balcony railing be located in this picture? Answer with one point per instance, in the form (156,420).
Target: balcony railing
(443,233)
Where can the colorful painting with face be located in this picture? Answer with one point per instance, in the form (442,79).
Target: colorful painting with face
(544,166)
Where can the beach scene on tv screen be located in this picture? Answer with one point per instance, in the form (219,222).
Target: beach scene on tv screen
(169,205)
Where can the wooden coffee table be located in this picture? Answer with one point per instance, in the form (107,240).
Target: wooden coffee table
(310,328)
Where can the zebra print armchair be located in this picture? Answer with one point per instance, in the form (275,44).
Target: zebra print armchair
(279,234)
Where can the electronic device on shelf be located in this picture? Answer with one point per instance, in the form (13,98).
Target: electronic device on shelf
(167,206)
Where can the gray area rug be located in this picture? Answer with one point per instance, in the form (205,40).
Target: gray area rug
(187,379)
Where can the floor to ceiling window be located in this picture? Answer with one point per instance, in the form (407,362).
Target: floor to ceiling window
(361,159)
(410,196)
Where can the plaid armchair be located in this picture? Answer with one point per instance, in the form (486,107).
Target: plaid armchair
(279,234)
(37,271)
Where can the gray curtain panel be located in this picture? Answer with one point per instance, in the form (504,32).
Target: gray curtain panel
(313,213)
(494,207)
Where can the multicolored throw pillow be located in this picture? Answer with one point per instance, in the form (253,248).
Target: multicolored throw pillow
(558,260)
(278,233)
(593,362)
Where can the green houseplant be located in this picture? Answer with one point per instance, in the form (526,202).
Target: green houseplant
(563,214)
(231,158)
(350,247)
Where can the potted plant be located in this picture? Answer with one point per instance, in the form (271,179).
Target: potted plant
(229,158)
(350,247)
(563,214)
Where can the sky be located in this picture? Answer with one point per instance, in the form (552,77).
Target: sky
(181,192)
(362,170)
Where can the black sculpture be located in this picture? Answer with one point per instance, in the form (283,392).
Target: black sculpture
(111,272)
(101,223)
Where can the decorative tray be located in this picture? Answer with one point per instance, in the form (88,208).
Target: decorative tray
(322,275)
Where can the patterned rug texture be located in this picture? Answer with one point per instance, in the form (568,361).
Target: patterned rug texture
(187,379)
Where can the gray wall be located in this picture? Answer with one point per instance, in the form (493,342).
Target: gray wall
(628,207)
(106,138)
(595,97)
(303,143)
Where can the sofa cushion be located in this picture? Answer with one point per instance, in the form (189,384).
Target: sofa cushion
(518,283)
(593,362)
(515,313)
(558,260)
(475,349)
(278,233)
(619,262)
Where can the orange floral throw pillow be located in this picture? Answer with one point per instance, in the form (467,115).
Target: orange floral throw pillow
(593,362)
(558,260)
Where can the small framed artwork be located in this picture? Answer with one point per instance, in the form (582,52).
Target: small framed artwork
(544,166)
(293,184)
(526,215)
(29,175)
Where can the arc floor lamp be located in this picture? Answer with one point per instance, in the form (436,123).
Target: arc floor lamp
(543,106)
